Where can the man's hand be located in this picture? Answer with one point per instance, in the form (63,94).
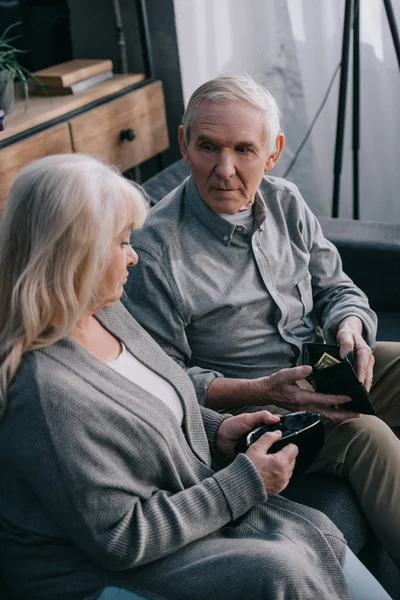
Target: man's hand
(282,390)
(275,469)
(232,429)
(349,337)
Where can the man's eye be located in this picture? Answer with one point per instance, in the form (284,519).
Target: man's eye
(124,244)
(208,147)
(243,149)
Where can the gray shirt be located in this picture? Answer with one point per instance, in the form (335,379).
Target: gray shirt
(223,302)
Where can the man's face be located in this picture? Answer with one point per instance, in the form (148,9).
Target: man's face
(228,154)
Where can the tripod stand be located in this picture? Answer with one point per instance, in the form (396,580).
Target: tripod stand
(352,7)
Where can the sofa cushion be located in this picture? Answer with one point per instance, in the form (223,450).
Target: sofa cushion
(4,592)
(164,182)
(388,326)
(334,497)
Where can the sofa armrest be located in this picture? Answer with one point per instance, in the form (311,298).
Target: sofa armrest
(370,252)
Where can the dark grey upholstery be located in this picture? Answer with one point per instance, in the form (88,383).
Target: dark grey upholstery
(370,252)
(158,186)
(336,498)
(4,593)
(371,256)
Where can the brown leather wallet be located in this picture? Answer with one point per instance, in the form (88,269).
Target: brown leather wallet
(340,378)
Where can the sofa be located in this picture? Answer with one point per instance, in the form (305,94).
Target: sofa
(370,253)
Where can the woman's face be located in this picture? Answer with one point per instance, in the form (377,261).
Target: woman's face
(116,274)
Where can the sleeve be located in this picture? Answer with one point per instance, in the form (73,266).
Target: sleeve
(153,299)
(212,420)
(98,482)
(335,296)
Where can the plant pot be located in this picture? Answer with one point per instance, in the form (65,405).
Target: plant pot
(7,91)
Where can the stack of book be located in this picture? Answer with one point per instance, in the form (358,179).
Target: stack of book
(71,77)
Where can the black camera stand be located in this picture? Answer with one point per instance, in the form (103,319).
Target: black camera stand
(352,8)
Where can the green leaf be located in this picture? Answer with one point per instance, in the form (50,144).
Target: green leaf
(5,33)
(9,62)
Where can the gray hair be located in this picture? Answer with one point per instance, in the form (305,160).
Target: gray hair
(55,238)
(235,88)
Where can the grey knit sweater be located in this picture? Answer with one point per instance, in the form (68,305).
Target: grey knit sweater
(100,485)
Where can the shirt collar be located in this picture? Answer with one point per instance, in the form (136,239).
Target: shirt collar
(260,210)
(222,228)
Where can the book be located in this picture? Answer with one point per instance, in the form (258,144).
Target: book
(68,73)
(75,88)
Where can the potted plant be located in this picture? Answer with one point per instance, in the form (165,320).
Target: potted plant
(11,70)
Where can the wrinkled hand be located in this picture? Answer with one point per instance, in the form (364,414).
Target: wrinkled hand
(232,429)
(274,469)
(282,390)
(349,337)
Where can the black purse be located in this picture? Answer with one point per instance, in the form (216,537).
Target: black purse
(330,377)
(302,428)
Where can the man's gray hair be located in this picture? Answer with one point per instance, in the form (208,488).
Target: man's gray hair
(235,88)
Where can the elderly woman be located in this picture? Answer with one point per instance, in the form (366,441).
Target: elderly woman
(109,471)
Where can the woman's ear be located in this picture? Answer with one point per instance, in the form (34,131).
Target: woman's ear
(182,145)
(273,159)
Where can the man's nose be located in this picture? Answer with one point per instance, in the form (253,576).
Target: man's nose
(225,167)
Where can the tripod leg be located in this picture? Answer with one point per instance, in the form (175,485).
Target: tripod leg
(341,108)
(393,27)
(356,109)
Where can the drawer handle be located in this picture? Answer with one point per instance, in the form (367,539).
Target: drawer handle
(127,134)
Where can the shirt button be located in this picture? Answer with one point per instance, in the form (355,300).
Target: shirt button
(225,238)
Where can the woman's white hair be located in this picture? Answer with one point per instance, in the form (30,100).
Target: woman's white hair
(235,88)
(55,238)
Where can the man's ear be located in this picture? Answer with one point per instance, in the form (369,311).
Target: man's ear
(273,159)
(182,146)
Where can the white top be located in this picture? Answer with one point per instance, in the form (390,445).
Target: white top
(131,368)
(242,219)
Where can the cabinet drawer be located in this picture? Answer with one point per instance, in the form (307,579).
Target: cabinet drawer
(55,140)
(98,131)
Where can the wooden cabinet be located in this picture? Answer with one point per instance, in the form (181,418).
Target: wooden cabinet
(126,131)
(55,140)
(121,120)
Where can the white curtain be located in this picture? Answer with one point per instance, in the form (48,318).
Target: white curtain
(294,47)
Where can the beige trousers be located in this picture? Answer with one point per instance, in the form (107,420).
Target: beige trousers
(367,452)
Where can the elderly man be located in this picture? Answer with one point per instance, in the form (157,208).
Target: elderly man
(235,276)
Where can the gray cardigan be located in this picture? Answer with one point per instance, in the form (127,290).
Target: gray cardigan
(101,485)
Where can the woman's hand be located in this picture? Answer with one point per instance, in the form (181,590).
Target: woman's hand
(274,469)
(232,429)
